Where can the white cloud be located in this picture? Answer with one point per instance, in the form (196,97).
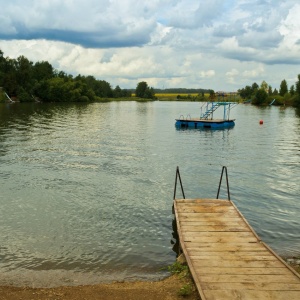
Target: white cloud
(232,75)
(290,28)
(207,74)
(254,73)
(166,42)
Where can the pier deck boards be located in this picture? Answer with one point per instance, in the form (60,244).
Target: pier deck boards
(226,257)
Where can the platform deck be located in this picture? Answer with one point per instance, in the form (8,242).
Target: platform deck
(226,257)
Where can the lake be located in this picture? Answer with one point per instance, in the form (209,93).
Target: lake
(86,189)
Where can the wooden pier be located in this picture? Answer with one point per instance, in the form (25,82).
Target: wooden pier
(226,257)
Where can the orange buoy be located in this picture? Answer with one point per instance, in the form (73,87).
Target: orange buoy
(261,122)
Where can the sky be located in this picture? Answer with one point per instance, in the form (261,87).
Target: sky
(222,45)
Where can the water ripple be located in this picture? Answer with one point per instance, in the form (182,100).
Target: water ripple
(86,190)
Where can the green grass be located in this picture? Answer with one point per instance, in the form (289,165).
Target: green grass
(183,272)
(179,269)
(186,290)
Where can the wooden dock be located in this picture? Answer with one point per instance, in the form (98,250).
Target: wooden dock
(226,257)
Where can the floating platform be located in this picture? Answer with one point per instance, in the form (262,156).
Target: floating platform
(206,119)
(226,257)
(203,123)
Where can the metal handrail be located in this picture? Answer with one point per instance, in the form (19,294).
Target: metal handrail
(175,187)
(209,111)
(228,193)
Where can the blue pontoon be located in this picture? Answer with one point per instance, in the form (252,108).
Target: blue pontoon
(206,119)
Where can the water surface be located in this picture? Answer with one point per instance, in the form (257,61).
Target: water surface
(86,189)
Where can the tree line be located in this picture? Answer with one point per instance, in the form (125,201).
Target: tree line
(264,94)
(26,81)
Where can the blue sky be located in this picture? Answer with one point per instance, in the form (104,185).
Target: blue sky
(217,44)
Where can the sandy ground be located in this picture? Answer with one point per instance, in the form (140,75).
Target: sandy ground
(166,289)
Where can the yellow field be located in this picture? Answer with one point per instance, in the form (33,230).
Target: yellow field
(174,95)
(193,97)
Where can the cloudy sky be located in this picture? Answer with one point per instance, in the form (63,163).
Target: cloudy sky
(217,44)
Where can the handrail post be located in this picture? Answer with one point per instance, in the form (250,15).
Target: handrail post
(175,187)
(227,183)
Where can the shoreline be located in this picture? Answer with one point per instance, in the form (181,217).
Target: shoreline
(168,288)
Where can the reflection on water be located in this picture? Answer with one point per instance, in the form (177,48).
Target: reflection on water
(86,189)
(175,237)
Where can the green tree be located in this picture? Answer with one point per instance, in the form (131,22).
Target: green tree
(41,90)
(254,86)
(270,91)
(100,88)
(144,91)
(292,90)
(246,92)
(260,97)
(141,89)
(23,72)
(9,76)
(297,100)
(212,94)
(149,94)
(2,62)
(264,86)
(117,92)
(24,96)
(42,70)
(103,89)
(283,88)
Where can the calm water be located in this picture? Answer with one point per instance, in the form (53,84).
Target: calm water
(86,190)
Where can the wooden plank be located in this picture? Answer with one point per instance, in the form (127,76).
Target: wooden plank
(224,204)
(251,295)
(218,234)
(280,259)
(199,216)
(199,263)
(214,254)
(214,221)
(240,257)
(190,263)
(262,286)
(228,247)
(229,278)
(205,209)
(242,271)
(207,228)
(203,201)
(219,239)
(243,218)
(217,217)
(226,257)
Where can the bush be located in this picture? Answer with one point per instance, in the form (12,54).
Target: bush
(185,290)
(24,96)
(2,96)
(278,99)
